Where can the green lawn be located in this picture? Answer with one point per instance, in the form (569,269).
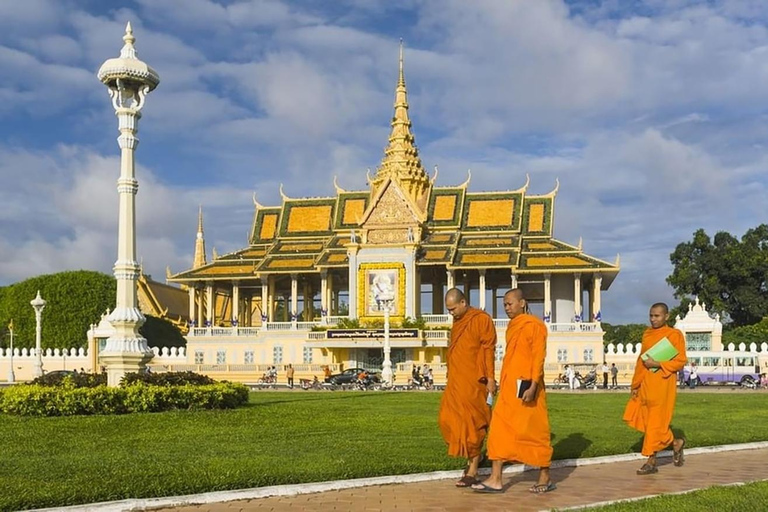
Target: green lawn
(753,497)
(291,437)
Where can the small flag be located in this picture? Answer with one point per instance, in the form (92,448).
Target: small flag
(598,317)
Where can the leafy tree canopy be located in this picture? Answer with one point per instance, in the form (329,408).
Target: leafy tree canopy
(630,333)
(728,274)
(74,300)
(755,333)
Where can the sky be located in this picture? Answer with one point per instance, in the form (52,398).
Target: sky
(653,115)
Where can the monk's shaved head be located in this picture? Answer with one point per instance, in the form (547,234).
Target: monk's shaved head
(455,295)
(516,293)
(514,302)
(662,306)
(659,315)
(456,303)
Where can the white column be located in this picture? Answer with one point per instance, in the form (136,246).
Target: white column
(264,301)
(236,302)
(271,298)
(126,350)
(323,294)
(450,277)
(482,289)
(513,280)
(352,255)
(200,308)
(576,294)
(596,299)
(191,292)
(210,309)
(38,304)
(386,367)
(548,298)
(294,297)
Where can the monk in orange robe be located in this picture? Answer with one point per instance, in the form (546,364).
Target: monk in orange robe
(520,424)
(464,410)
(654,392)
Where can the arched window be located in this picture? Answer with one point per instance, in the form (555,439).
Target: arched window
(589,355)
(562,355)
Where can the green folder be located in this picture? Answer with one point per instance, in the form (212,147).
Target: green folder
(663,350)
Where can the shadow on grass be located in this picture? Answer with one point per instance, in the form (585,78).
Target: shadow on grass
(572,447)
(351,395)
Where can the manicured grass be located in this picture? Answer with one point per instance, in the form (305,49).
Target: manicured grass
(740,498)
(292,437)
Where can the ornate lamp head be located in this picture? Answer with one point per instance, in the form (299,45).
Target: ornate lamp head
(128,78)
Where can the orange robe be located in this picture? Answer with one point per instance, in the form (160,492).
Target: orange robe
(464,413)
(520,430)
(651,411)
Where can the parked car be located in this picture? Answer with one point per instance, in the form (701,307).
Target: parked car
(62,373)
(349,376)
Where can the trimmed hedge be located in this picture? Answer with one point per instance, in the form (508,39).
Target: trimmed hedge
(167,379)
(36,400)
(76,380)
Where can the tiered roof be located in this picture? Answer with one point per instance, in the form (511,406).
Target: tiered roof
(451,226)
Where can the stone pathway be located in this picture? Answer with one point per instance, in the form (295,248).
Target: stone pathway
(577,486)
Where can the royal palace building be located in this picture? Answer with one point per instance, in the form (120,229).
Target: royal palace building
(307,289)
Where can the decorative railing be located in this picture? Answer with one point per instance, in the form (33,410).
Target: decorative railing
(316,335)
(501,323)
(279,326)
(437,319)
(575,327)
(436,335)
(334,320)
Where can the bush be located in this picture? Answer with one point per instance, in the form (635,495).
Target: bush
(167,379)
(37,400)
(73,380)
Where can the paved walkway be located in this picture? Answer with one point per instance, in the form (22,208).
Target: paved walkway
(577,486)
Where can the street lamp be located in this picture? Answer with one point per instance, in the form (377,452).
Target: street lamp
(386,366)
(129,80)
(39,304)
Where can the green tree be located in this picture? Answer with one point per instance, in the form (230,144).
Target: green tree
(74,300)
(728,274)
(629,333)
(755,333)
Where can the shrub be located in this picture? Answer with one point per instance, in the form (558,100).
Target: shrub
(167,379)
(74,380)
(348,323)
(414,323)
(36,400)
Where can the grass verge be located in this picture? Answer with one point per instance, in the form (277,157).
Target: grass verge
(294,437)
(753,496)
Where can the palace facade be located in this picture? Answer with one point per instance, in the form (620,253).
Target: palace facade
(306,289)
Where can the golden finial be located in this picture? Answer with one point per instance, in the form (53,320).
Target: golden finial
(581,242)
(200,220)
(282,194)
(215,254)
(168,272)
(618,260)
(434,177)
(401,78)
(257,204)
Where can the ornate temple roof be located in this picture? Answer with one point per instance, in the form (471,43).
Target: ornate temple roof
(449,226)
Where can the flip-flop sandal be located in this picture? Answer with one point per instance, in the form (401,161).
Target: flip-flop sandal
(678,457)
(467,481)
(542,488)
(647,469)
(482,488)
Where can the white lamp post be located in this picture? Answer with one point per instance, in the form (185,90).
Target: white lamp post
(129,80)
(386,366)
(11,375)
(39,304)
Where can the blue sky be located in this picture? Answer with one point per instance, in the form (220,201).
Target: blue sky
(652,114)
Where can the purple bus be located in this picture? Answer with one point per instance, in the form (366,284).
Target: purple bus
(742,368)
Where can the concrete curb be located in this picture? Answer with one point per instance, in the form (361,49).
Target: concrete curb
(337,485)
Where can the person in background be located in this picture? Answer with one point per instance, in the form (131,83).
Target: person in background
(289,375)
(605,375)
(614,376)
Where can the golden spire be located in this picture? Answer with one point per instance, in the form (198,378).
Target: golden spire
(199,260)
(401,160)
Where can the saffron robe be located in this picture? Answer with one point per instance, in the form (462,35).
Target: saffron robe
(464,413)
(651,411)
(520,430)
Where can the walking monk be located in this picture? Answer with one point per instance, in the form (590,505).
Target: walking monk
(520,425)
(653,393)
(464,411)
